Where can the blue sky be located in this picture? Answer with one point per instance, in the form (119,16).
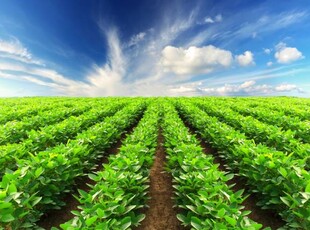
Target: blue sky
(152,48)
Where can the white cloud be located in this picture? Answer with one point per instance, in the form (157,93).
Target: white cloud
(135,39)
(15,50)
(210,20)
(249,88)
(247,84)
(183,89)
(286,87)
(270,63)
(267,51)
(194,60)
(14,47)
(286,55)
(245,59)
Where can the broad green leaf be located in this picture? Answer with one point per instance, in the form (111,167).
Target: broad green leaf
(12,188)
(196,223)
(231,220)
(229,176)
(221,212)
(182,218)
(2,194)
(100,213)
(38,172)
(125,223)
(283,171)
(36,201)
(285,201)
(308,188)
(7,218)
(91,220)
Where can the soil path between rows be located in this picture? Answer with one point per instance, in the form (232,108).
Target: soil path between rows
(160,215)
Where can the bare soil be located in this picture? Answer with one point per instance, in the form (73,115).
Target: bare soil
(268,218)
(160,215)
(54,218)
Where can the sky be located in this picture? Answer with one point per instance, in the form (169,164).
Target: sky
(154,48)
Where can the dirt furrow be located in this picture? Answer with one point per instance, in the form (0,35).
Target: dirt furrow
(160,215)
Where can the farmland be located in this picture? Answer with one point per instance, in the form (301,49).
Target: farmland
(154,163)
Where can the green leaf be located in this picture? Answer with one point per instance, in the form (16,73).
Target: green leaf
(125,223)
(93,177)
(196,223)
(100,213)
(231,220)
(307,188)
(283,171)
(36,200)
(182,218)
(285,201)
(38,172)
(139,218)
(2,194)
(221,213)
(12,188)
(229,176)
(91,220)
(7,218)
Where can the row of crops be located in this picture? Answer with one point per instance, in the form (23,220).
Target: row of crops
(47,144)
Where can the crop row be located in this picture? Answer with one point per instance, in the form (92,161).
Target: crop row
(301,128)
(286,107)
(281,182)
(260,132)
(41,181)
(201,189)
(121,187)
(16,131)
(19,112)
(52,135)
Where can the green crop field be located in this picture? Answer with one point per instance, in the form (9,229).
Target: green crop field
(109,163)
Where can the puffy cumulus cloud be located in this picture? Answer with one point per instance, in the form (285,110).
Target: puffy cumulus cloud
(270,63)
(245,59)
(286,55)
(194,60)
(267,51)
(183,89)
(249,88)
(287,88)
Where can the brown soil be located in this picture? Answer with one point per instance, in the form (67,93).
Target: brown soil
(268,218)
(54,218)
(160,215)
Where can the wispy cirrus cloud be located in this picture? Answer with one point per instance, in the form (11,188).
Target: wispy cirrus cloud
(14,50)
(235,28)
